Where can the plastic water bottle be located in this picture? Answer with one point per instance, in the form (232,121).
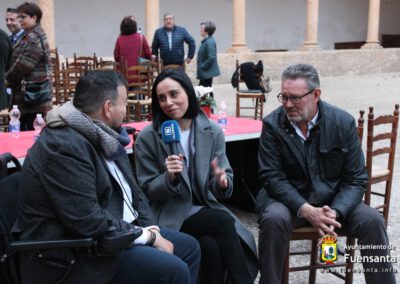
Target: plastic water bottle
(14,125)
(222,118)
(38,124)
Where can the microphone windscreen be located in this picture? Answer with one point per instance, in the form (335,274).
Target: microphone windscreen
(170,131)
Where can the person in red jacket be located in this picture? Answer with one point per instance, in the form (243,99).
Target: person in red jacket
(130,44)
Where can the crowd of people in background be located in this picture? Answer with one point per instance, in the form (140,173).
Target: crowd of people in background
(26,54)
(77,179)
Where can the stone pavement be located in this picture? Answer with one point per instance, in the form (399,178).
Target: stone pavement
(352,93)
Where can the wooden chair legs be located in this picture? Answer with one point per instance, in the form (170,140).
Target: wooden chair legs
(337,268)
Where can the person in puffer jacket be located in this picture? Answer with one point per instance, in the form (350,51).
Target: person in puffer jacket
(169,40)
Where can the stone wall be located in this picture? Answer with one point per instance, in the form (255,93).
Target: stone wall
(91,26)
(329,63)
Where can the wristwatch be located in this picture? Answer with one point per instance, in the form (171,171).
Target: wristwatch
(152,238)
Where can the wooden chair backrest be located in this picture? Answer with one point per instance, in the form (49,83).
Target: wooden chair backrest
(138,77)
(69,79)
(386,145)
(360,127)
(56,75)
(106,64)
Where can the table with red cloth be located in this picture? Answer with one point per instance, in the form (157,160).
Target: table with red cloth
(241,134)
(237,129)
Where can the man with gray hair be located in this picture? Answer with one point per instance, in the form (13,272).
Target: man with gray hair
(170,41)
(313,172)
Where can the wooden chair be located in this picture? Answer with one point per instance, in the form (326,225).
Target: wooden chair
(77,65)
(106,64)
(139,93)
(360,127)
(82,62)
(311,234)
(386,147)
(154,69)
(257,96)
(142,107)
(69,78)
(56,75)
(173,66)
(138,110)
(90,61)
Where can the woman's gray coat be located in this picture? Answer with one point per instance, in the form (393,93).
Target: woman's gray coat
(171,207)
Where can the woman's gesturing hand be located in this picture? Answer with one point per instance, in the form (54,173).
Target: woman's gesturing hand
(219,174)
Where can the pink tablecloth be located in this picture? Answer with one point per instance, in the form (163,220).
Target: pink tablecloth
(19,146)
(236,125)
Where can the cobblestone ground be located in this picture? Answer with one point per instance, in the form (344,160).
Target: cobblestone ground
(352,93)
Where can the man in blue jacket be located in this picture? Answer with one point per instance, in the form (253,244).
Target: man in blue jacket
(170,41)
(313,173)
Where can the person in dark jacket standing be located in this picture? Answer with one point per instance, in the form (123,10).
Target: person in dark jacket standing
(313,172)
(5,56)
(207,64)
(170,41)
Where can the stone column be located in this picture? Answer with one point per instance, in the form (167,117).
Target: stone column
(239,27)
(373,25)
(47,21)
(152,18)
(311,43)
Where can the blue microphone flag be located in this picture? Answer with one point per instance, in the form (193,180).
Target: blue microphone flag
(170,131)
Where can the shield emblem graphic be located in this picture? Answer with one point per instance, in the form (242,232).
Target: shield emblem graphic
(328,249)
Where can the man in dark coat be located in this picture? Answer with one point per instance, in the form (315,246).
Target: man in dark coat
(313,172)
(77,181)
(170,41)
(5,57)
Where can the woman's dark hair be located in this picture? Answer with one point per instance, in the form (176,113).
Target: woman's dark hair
(96,87)
(209,27)
(31,9)
(179,76)
(128,26)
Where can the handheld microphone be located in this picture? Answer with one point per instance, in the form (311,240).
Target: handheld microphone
(171,135)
